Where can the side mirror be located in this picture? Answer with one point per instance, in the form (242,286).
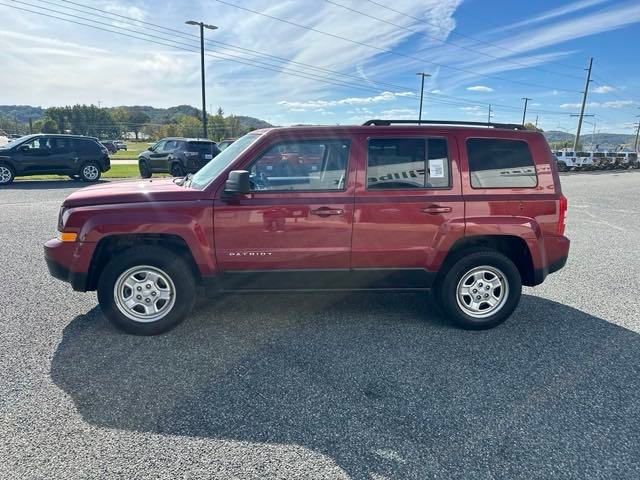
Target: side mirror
(237,183)
(24,148)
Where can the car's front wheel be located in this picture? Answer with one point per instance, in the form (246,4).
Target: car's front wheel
(6,174)
(146,290)
(90,172)
(480,290)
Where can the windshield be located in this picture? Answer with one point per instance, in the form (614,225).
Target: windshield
(216,166)
(14,141)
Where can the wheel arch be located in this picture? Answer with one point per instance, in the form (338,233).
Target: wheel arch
(112,245)
(513,247)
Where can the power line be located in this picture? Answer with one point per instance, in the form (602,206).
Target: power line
(455,101)
(191,47)
(448,100)
(390,52)
(447,42)
(462,35)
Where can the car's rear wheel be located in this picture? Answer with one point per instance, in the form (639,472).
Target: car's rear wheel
(562,167)
(7,174)
(146,290)
(177,170)
(90,172)
(480,290)
(145,170)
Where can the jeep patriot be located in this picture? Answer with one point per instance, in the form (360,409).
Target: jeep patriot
(469,212)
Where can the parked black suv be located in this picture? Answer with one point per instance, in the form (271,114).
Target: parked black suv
(44,154)
(177,156)
(110,146)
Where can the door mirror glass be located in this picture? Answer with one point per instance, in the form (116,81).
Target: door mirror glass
(237,183)
(24,148)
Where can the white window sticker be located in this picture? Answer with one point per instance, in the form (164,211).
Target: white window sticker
(436,168)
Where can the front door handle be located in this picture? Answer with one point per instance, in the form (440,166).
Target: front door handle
(436,209)
(327,212)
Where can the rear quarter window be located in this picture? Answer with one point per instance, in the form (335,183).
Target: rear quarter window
(86,146)
(500,163)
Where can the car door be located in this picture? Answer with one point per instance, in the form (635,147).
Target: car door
(34,156)
(62,156)
(407,204)
(157,157)
(294,229)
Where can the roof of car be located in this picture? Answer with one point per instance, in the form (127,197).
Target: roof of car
(63,135)
(371,129)
(184,139)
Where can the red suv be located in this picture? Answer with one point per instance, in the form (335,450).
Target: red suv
(469,212)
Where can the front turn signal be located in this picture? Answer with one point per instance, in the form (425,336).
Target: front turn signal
(68,237)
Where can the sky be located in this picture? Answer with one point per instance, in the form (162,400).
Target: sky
(331,61)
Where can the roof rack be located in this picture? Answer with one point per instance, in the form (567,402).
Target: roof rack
(386,123)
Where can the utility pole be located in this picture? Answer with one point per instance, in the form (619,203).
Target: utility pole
(524,114)
(423,75)
(582,120)
(490,115)
(537,121)
(584,104)
(202,26)
(637,136)
(30,126)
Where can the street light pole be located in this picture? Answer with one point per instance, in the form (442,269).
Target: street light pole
(202,26)
(423,75)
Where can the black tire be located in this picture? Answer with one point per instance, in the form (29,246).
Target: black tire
(7,174)
(90,172)
(162,260)
(177,170)
(145,170)
(562,167)
(461,266)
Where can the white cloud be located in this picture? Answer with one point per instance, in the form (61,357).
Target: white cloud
(603,89)
(550,14)
(130,11)
(613,104)
(314,104)
(475,111)
(480,88)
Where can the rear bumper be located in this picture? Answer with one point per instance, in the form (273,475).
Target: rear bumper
(557,249)
(60,257)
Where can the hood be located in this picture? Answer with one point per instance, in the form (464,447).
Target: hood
(131,192)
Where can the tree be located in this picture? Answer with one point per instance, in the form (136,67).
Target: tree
(189,126)
(531,126)
(137,121)
(48,126)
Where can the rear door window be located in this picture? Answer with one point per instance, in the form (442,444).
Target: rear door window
(500,163)
(85,146)
(408,163)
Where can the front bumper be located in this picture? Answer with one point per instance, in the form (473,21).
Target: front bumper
(66,262)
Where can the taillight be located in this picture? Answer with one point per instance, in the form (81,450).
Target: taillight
(564,205)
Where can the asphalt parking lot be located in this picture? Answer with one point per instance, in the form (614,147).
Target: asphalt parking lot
(355,386)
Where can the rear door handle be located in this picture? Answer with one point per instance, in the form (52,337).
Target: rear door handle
(436,209)
(327,212)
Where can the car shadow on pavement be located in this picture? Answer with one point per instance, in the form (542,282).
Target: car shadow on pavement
(374,383)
